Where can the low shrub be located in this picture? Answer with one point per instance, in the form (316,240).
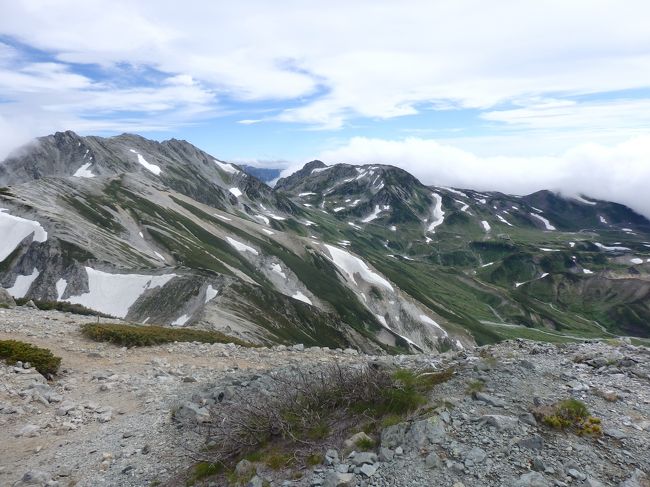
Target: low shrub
(145,335)
(41,359)
(569,414)
(306,408)
(475,386)
(63,306)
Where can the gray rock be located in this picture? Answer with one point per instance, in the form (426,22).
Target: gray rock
(337,479)
(501,423)
(386,454)
(6,300)
(638,479)
(489,399)
(476,455)
(331,457)
(256,481)
(35,477)
(592,482)
(433,460)
(394,435)
(29,431)
(363,457)
(538,464)
(424,433)
(534,442)
(572,472)
(368,470)
(528,418)
(193,412)
(532,479)
(244,467)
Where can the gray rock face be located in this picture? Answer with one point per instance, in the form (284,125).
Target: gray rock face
(6,301)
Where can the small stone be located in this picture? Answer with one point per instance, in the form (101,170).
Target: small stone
(532,479)
(433,460)
(476,455)
(368,470)
(534,442)
(146,449)
(576,474)
(331,457)
(29,431)
(386,454)
(336,479)
(489,399)
(244,468)
(362,458)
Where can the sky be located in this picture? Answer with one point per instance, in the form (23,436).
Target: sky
(502,95)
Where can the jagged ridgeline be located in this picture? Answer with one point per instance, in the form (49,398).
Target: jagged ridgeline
(337,256)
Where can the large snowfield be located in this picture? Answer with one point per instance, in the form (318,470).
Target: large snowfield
(14,229)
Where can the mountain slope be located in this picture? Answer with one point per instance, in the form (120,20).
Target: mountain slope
(363,256)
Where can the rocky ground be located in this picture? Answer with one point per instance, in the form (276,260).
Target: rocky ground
(129,417)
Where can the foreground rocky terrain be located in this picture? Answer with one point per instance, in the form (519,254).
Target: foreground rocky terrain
(135,417)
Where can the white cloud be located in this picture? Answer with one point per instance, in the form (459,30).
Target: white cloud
(617,172)
(368,58)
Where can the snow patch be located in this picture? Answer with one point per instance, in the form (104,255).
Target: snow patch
(277,268)
(241,247)
(438,213)
(180,321)
(546,223)
(309,193)
(14,230)
(236,191)
(320,169)
(229,168)
(503,220)
(22,284)
(114,294)
(159,256)
(84,172)
(268,232)
(373,215)
(425,319)
(301,297)
(602,219)
(584,201)
(148,166)
(587,271)
(221,217)
(614,248)
(61,284)
(210,293)
(636,261)
(486,226)
(352,265)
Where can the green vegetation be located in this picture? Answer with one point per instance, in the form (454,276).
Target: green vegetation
(143,335)
(475,386)
(307,410)
(63,306)
(203,470)
(569,414)
(41,359)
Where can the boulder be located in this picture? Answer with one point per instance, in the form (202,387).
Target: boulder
(6,301)
(532,479)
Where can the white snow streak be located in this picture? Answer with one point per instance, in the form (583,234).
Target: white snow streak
(143,162)
(236,191)
(429,321)
(503,220)
(486,225)
(301,297)
(352,265)
(438,214)
(14,230)
(241,247)
(229,168)
(546,223)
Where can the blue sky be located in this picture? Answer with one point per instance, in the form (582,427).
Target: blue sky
(503,95)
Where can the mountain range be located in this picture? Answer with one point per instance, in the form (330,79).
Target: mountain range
(339,256)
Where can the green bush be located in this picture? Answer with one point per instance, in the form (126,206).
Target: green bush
(41,359)
(570,414)
(144,335)
(63,306)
